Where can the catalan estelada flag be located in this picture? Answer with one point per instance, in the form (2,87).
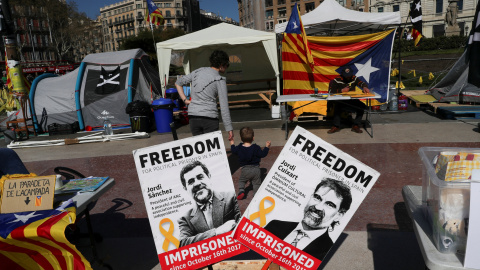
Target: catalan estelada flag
(368,55)
(416,17)
(38,201)
(36,240)
(298,38)
(153,14)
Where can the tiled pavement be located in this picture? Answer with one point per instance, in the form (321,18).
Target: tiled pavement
(379,236)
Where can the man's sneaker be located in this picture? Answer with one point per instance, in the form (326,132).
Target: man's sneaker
(241,196)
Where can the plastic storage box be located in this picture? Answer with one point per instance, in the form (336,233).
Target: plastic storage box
(446,203)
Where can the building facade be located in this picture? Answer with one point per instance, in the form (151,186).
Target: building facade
(32,33)
(265,14)
(127,18)
(434,13)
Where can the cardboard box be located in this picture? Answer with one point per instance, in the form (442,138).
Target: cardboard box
(22,194)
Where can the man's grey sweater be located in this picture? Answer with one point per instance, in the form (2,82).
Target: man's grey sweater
(207,84)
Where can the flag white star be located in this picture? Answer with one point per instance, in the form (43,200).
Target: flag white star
(418,6)
(365,70)
(24,218)
(295,26)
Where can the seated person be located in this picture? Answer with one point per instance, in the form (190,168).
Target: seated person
(341,84)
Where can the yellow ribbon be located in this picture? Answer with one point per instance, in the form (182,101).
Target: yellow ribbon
(262,211)
(430,76)
(420,80)
(169,238)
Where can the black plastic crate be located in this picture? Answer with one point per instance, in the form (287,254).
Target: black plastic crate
(61,129)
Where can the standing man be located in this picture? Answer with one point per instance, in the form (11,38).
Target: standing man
(207,85)
(344,83)
(213,213)
(327,205)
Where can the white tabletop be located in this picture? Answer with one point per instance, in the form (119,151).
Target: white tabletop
(308,97)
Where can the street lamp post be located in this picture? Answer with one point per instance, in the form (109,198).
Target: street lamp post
(31,41)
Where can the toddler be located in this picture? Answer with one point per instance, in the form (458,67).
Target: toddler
(249,155)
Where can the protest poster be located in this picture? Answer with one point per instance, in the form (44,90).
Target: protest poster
(308,197)
(190,200)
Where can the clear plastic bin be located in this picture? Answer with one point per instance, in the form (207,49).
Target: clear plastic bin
(446,204)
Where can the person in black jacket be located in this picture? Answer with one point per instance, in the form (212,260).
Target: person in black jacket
(346,82)
(249,155)
(327,205)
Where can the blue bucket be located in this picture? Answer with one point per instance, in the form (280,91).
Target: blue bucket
(163,112)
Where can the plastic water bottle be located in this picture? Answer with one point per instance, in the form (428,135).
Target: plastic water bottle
(393,106)
(107,127)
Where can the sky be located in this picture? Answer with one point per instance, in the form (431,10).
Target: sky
(224,8)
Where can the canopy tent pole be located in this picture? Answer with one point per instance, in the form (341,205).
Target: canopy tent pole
(77,95)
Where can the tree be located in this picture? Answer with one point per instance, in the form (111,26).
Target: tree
(145,41)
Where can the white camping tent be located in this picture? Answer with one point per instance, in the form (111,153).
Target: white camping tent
(255,51)
(333,19)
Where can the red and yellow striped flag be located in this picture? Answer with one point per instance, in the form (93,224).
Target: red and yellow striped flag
(331,53)
(36,240)
(298,38)
(153,14)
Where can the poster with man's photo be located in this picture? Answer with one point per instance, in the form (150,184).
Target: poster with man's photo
(190,200)
(308,197)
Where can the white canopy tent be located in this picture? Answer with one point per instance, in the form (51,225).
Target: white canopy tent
(330,18)
(253,51)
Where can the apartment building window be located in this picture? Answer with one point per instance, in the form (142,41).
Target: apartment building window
(168,13)
(439,6)
(269,14)
(309,7)
(167,5)
(139,6)
(159,5)
(396,8)
(380,9)
(282,12)
(179,13)
(268,3)
(178,5)
(460,5)
(281,2)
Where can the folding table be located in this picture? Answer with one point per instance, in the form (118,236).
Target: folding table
(314,98)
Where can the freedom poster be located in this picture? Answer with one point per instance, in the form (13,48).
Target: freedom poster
(190,200)
(308,197)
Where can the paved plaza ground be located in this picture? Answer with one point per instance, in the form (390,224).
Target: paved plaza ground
(379,236)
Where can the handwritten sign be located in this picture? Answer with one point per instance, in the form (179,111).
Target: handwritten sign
(27,194)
